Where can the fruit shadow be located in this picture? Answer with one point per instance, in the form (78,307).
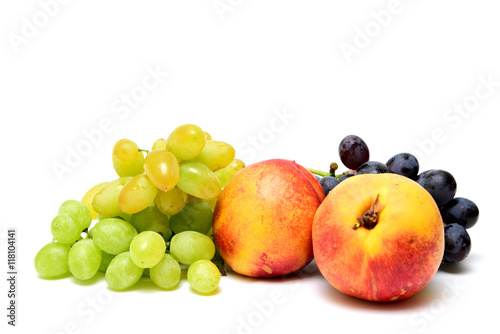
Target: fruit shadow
(91,281)
(57,278)
(146,285)
(309,271)
(462,267)
(421,299)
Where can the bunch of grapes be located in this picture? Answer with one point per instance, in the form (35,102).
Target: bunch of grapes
(155,217)
(458,213)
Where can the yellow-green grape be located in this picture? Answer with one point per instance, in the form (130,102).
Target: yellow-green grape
(127,159)
(151,219)
(113,235)
(162,168)
(203,276)
(190,246)
(105,261)
(122,273)
(171,202)
(84,259)
(52,260)
(186,141)
(160,144)
(125,168)
(137,194)
(89,196)
(226,174)
(166,274)
(198,180)
(126,150)
(65,228)
(208,136)
(105,201)
(216,155)
(147,249)
(78,210)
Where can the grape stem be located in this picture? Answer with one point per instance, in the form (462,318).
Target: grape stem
(333,167)
(142,150)
(319,172)
(221,265)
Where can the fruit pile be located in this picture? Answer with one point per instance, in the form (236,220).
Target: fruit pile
(458,213)
(155,217)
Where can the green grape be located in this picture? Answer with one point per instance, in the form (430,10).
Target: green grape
(170,202)
(137,194)
(122,216)
(226,174)
(210,202)
(203,276)
(208,136)
(122,273)
(190,246)
(84,259)
(127,159)
(78,210)
(52,260)
(216,154)
(105,261)
(162,168)
(113,235)
(151,219)
(105,201)
(147,249)
(160,144)
(186,141)
(65,228)
(196,216)
(79,239)
(167,273)
(198,180)
(89,196)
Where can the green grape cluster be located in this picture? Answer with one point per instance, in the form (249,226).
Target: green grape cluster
(154,218)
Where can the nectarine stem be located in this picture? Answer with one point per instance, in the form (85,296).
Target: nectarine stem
(370,217)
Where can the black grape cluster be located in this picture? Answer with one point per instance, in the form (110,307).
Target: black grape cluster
(458,213)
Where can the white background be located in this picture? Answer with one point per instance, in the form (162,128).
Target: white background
(232,70)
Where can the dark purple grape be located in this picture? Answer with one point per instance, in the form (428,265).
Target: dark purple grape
(460,211)
(456,243)
(345,177)
(440,184)
(372,167)
(317,177)
(404,164)
(328,183)
(353,152)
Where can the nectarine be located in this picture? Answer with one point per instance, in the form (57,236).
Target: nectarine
(378,237)
(263,218)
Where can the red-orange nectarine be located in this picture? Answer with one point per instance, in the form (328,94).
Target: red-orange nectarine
(378,237)
(263,218)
